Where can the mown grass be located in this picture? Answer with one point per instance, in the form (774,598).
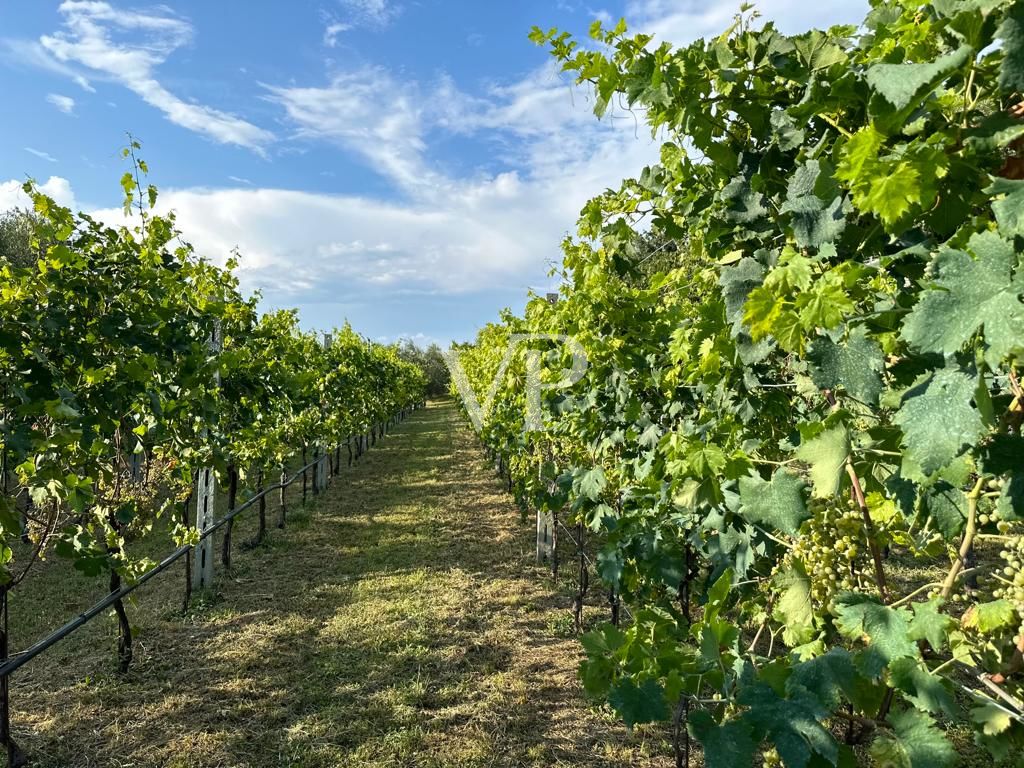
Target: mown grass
(398,621)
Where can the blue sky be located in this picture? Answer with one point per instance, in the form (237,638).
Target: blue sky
(408,165)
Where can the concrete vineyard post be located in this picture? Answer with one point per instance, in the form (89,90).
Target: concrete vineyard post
(206,497)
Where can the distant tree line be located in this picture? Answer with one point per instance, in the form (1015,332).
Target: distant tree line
(431,361)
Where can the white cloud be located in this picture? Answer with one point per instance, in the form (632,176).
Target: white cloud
(12,196)
(240,180)
(369,113)
(30,53)
(65,104)
(544,103)
(127,46)
(473,235)
(39,153)
(332,31)
(682,21)
(304,245)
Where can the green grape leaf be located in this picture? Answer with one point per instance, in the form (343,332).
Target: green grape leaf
(726,745)
(793,272)
(1008,205)
(968,295)
(886,629)
(793,607)
(745,205)
(717,594)
(814,199)
(859,155)
(827,677)
(893,193)
(824,305)
(946,507)
(1011,501)
(596,674)
(591,484)
(761,310)
(827,454)
(736,283)
(778,503)
(788,332)
(817,51)
(930,624)
(855,365)
(987,617)
(1011,32)
(10,524)
(1000,456)
(913,742)
(924,690)
(792,724)
(899,84)
(938,418)
(635,704)
(992,719)
(601,517)
(786,131)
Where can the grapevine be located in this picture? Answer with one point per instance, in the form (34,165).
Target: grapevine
(804,328)
(112,397)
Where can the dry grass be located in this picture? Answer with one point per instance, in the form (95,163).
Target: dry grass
(404,624)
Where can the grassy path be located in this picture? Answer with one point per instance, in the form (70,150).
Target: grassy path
(403,624)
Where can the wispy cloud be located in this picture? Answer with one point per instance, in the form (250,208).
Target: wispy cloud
(30,53)
(65,104)
(332,31)
(374,14)
(368,112)
(127,46)
(240,180)
(377,13)
(39,153)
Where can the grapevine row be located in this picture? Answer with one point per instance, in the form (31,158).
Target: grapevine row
(129,366)
(798,440)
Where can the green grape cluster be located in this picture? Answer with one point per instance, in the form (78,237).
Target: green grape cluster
(1010,580)
(994,485)
(831,548)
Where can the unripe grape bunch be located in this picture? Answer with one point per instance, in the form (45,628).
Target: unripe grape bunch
(832,547)
(1008,581)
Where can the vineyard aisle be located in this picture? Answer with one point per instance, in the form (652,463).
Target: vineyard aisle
(403,624)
